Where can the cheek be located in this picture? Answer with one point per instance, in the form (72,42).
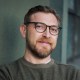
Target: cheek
(32,37)
(54,41)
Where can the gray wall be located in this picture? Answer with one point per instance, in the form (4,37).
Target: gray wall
(58,6)
(11,17)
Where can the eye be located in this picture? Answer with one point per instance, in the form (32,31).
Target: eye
(40,26)
(54,29)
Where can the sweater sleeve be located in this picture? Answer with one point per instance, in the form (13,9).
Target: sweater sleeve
(4,74)
(78,75)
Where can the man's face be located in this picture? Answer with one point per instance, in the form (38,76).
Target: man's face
(41,44)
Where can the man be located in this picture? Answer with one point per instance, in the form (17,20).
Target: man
(40,30)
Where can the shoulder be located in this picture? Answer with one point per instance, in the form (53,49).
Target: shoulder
(10,65)
(9,70)
(70,70)
(67,67)
(67,71)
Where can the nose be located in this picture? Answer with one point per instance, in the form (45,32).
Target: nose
(47,33)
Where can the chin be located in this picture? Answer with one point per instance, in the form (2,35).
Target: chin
(43,52)
(41,55)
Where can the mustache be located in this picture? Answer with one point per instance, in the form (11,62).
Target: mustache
(46,40)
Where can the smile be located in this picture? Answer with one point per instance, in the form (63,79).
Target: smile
(44,43)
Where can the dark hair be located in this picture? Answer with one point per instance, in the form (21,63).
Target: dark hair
(40,8)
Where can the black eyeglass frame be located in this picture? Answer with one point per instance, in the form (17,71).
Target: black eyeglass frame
(35,23)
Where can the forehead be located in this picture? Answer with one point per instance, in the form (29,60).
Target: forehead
(47,18)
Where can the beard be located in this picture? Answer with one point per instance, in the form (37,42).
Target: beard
(39,51)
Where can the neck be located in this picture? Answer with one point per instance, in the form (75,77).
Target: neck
(32,59)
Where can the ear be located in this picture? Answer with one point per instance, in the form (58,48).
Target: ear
(23,30)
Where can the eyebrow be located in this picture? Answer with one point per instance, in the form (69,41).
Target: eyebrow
(44,23)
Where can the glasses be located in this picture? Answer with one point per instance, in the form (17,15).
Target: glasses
(41,27)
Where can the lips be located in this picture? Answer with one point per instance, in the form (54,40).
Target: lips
(44,43)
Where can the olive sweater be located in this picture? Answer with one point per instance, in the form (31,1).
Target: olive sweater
(23,70)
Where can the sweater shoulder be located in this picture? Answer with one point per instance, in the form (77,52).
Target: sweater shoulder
(67,68)
(9,70)
(13,64)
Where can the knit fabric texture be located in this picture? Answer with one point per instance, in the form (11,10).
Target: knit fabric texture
(24,70)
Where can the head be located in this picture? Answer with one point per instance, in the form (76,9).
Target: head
(43,9)
(40,29)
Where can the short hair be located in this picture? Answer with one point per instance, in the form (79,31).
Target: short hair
(40,8)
